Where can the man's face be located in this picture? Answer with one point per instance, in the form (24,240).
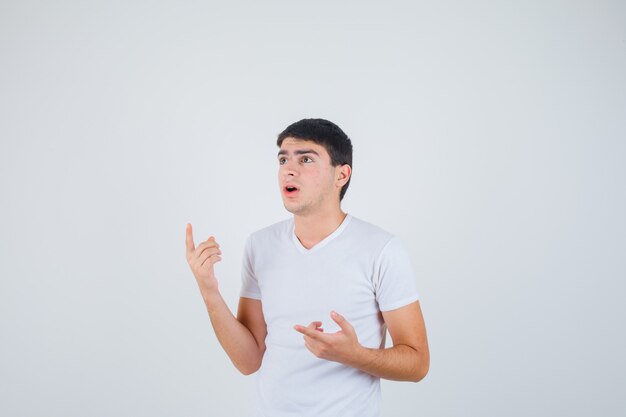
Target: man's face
(306,166)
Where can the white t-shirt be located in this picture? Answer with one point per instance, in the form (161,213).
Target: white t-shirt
(358,270)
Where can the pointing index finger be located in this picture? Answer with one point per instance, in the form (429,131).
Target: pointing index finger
(307,331)
(189,239)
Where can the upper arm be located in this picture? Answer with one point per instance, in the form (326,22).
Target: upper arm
(250,314)
(406,326)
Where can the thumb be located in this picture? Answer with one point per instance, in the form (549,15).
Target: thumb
(342,322)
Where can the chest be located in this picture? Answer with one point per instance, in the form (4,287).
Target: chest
(308,288)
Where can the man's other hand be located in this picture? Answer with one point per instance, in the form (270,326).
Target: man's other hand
(342,346)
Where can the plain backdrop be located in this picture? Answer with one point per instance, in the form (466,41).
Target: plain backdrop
(489,136)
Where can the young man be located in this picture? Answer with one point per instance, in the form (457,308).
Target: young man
(319,291)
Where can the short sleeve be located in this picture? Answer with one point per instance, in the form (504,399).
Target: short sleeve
(249,285)
(394,279)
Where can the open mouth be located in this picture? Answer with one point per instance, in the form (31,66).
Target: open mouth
(290,190)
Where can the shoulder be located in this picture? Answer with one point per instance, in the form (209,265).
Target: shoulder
(370,237)
(362,229)
(274,231)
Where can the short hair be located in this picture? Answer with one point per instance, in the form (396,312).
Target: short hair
(326,134)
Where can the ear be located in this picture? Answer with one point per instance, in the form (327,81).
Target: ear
(343,174)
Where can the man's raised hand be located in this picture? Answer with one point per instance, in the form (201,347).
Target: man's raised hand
(201,260)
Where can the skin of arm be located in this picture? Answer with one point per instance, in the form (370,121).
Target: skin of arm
(241,337)
(407,360)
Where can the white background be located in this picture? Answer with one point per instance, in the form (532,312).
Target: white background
(490,136)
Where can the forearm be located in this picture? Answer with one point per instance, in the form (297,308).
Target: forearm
(235,338)
(398,363)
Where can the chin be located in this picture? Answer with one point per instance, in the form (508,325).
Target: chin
(294,209)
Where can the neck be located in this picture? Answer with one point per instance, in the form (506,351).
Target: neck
(313,228)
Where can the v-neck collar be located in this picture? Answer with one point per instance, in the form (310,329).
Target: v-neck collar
(319,245)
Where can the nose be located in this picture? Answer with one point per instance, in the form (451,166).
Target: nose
(289,168)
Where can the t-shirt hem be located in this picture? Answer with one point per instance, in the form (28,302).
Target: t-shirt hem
(398,304)
(247,294)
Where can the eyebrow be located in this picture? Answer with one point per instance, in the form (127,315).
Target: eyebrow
(297,152)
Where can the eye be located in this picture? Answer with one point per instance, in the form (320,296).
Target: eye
(306,157)
(280,160)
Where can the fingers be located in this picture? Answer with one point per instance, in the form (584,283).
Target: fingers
(208,251)
(316,325)
(207,244)
(341,321)
(205,250)
(308,331)
(210,257)
(189,240)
